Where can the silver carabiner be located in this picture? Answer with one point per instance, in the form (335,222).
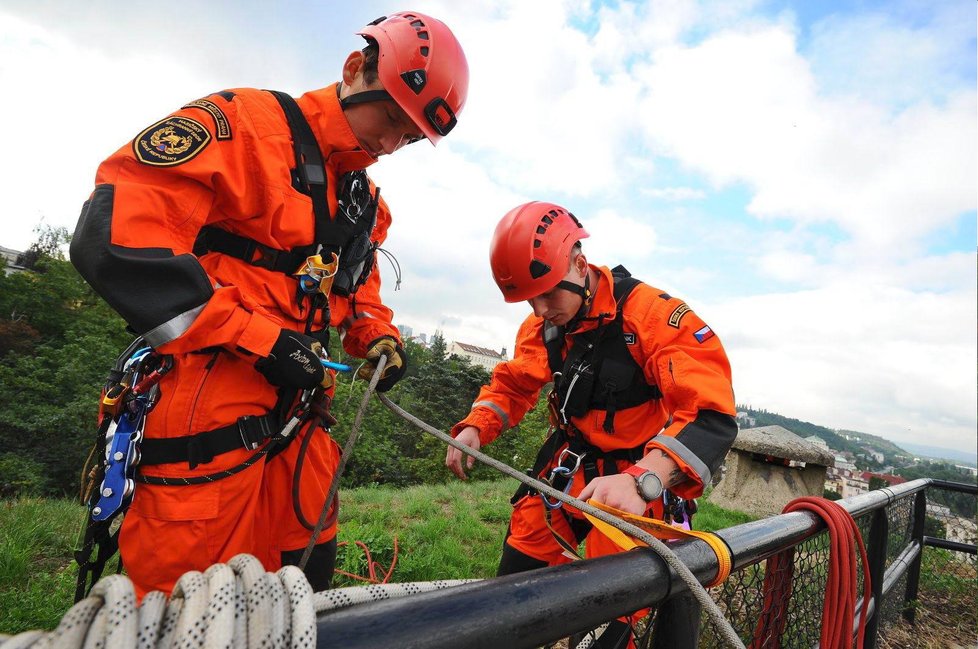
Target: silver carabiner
(577,459)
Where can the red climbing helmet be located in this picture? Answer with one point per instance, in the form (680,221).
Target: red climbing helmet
(423,68)
(530,249)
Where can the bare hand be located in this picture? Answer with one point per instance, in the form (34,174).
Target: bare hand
(453,459)
(618,491)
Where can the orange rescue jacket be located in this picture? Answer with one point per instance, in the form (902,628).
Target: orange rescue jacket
(222,161)
(693,422)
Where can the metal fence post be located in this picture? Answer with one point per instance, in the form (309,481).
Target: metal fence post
(677,623)
(913,574)
(879,532)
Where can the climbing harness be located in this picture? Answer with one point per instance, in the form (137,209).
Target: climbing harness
(129,394)
(598,372)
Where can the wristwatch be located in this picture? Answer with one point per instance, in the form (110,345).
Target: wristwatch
(646,482)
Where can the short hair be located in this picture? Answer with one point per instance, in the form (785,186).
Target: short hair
(371,54)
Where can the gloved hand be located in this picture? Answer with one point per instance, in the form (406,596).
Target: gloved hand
(396,362)
(293,361)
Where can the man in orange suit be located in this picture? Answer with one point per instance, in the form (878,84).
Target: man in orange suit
(231,236)
(642,406)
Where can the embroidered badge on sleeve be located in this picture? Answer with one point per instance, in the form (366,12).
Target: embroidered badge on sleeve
(170,142)
(703,334)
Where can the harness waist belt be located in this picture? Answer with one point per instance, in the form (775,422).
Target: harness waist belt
(227,243)
(248,432)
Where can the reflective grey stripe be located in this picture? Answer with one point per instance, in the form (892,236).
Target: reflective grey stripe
(685,455)
(173,328)
(499,411)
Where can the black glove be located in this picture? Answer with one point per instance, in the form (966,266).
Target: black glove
(293,361)
(396,362)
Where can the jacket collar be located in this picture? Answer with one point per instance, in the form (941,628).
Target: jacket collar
(338,144)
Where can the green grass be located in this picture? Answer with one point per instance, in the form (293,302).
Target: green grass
(450,531)
(710,518)
(37,572)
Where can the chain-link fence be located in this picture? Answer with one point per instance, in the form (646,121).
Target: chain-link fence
(945,576)
(920,539)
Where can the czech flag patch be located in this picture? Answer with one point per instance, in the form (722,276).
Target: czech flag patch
(703,334)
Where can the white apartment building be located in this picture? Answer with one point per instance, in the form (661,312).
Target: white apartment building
(487,358)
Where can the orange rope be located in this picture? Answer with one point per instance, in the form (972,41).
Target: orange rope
(838,609)
(372,565)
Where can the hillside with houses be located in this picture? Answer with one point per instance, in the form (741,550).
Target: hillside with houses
(855,463)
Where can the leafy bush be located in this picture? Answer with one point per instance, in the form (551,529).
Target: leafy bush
(21,476)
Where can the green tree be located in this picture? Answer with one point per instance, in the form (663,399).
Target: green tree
(876,483)
(57,338)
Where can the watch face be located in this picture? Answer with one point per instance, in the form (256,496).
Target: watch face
(649,486)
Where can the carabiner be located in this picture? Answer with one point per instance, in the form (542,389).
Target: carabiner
(567,473)
(577,459)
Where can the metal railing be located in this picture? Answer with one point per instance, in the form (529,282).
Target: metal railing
(540,607)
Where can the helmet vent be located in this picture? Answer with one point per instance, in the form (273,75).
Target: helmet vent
(541,229)
(424,51)
(538,269)
(537,243)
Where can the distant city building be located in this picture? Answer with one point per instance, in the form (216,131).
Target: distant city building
(890,480)
(744,420)
(406,331)
(967,470)
(817,441)
(423,338)
(10,260)
(487,358)
(874,454)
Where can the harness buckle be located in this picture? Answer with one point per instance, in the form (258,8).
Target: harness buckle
(253,431)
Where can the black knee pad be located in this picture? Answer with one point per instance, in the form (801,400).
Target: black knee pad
(319,568)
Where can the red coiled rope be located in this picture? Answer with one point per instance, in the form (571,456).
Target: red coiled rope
(838,611)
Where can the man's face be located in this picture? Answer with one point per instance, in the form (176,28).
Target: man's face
(381,127)
(559,305)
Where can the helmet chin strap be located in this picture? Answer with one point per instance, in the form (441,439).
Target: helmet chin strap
(364,97)
(586,296)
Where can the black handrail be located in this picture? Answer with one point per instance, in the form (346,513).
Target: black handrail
(537,607)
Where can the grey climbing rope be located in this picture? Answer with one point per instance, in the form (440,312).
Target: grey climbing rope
(727,632)
(344,457)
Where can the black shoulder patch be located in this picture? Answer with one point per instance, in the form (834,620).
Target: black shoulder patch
(665,296)
(221,125)
(226,94)
(170,142)
(677,315)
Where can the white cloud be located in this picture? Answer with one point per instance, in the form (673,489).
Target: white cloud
(73,106)
(673,193)
(850,355)
(744,107)
(629,118)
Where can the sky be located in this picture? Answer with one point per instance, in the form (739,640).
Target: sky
(803,174)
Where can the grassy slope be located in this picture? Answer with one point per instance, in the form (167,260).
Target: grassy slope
(443,532)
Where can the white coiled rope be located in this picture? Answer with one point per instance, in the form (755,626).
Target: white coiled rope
(233,605)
